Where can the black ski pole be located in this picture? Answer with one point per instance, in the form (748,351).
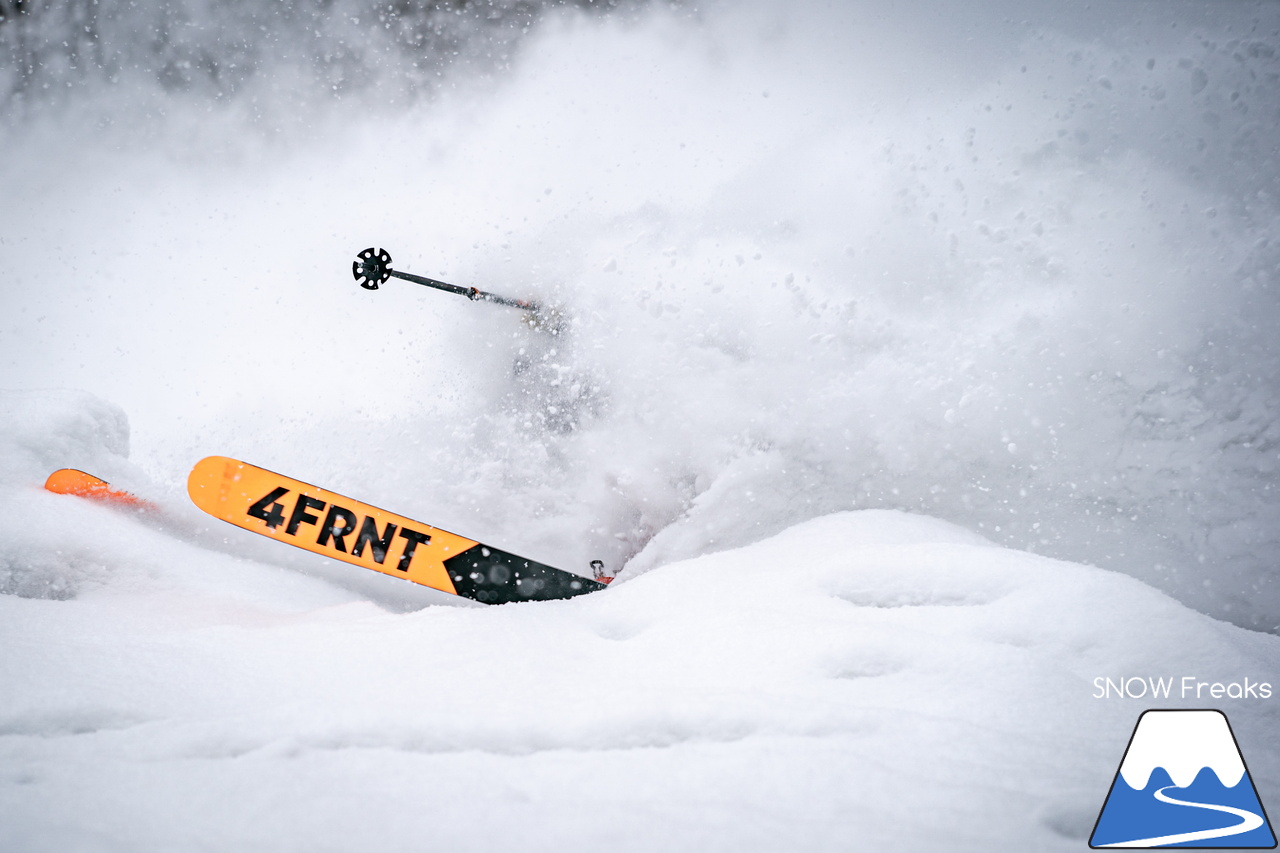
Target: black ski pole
(372,267)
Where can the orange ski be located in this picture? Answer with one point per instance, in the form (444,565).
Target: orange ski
(69,481)
(336,526)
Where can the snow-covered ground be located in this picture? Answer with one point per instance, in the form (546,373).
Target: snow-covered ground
(863,680)
(862,306)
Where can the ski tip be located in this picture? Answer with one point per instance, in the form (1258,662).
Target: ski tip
(209,471)
(70,481)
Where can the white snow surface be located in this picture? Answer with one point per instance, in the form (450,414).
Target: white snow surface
(862,305)
(869,679)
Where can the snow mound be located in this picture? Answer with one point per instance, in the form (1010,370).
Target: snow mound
(868,675)
(41,431)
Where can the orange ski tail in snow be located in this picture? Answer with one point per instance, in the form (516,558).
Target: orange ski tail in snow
(69,481)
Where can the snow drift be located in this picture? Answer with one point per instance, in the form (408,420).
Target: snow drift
(871,676)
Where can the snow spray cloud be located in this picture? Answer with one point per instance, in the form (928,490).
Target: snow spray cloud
(1015,267)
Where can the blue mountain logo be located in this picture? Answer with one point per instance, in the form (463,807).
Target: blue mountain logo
(1183,783)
